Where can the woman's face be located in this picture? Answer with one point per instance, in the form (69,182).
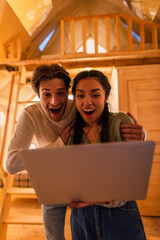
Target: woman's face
(90,99)
(53,96)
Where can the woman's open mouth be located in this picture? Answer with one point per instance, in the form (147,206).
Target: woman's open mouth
(88,112)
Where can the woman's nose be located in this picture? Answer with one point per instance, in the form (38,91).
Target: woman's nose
(87,101)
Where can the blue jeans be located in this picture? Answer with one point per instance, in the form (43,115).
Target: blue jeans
(53,220)
(102,223)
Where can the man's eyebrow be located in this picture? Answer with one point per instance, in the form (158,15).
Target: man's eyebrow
(48,89)
(45,89)
(59,89)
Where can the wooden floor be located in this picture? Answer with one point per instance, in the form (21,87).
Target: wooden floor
(34,232)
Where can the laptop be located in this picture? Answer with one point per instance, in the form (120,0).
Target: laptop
(90,173)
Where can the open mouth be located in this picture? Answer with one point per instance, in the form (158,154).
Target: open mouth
(55,110)
(89,112)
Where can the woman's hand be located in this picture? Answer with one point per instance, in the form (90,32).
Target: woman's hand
(131,131)
(86,204)
(80,204)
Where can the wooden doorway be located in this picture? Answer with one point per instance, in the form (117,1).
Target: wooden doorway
(139,93)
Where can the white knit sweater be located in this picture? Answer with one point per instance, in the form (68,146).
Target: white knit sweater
(34,124)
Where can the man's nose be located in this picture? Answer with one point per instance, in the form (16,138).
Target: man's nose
(54,100)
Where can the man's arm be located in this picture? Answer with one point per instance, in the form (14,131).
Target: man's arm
(21,139)
(131,131)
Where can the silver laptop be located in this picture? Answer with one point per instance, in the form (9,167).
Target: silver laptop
(90,173)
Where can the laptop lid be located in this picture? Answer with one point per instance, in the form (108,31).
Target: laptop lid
(90,173)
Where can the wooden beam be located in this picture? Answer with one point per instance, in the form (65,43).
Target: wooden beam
(62,38)
(72,32)
(95,22)
(114,59)
(84,35)
(142,36)
(129,32)
(118,32)
(107,21)
(154,38)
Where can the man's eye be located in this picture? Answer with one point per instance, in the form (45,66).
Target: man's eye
(60,93)
(46,94)
(80,96)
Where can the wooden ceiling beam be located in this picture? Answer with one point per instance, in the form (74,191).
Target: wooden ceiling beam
(127,59)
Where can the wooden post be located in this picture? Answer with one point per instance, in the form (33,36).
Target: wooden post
(62,38)
(95,22)
(142,42)
(118,32)
(154,37)
(84,35)
(129,22)
(72,27)
(7,120)
(107,20)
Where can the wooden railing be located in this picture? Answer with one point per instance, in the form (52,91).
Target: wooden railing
(12,50)
(78,26)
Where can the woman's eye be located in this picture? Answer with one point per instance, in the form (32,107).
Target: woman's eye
(96,95)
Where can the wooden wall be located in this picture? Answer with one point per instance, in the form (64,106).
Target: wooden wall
(139,93)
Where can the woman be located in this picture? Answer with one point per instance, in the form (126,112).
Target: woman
(117,220)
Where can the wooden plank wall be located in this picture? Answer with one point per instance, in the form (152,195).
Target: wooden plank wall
(139,93)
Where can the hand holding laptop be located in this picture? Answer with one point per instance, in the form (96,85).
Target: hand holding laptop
(86,204)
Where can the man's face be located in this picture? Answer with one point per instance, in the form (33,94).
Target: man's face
(53,96)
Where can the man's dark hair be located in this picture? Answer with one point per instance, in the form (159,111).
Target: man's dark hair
(48,72)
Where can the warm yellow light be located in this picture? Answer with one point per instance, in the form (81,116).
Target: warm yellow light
(31,13)
(90,47)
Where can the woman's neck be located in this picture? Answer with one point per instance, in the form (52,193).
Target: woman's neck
(92,132)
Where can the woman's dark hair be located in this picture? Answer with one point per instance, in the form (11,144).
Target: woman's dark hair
(79,122)
(46,72)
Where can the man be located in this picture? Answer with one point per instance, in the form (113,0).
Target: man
(47,124)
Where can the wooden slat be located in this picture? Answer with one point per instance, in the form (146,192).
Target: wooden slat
(24,220)
(25,102)
(118,32)
(21,78)
(7,121)
(129,33)
(154,37)
(142,36)
(62,38)
(84,35)
(107,21)
(95,22)
(21,191)
(25,84)
(72,32)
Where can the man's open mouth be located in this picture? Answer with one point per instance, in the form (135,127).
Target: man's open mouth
(55,110)
(89,111)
